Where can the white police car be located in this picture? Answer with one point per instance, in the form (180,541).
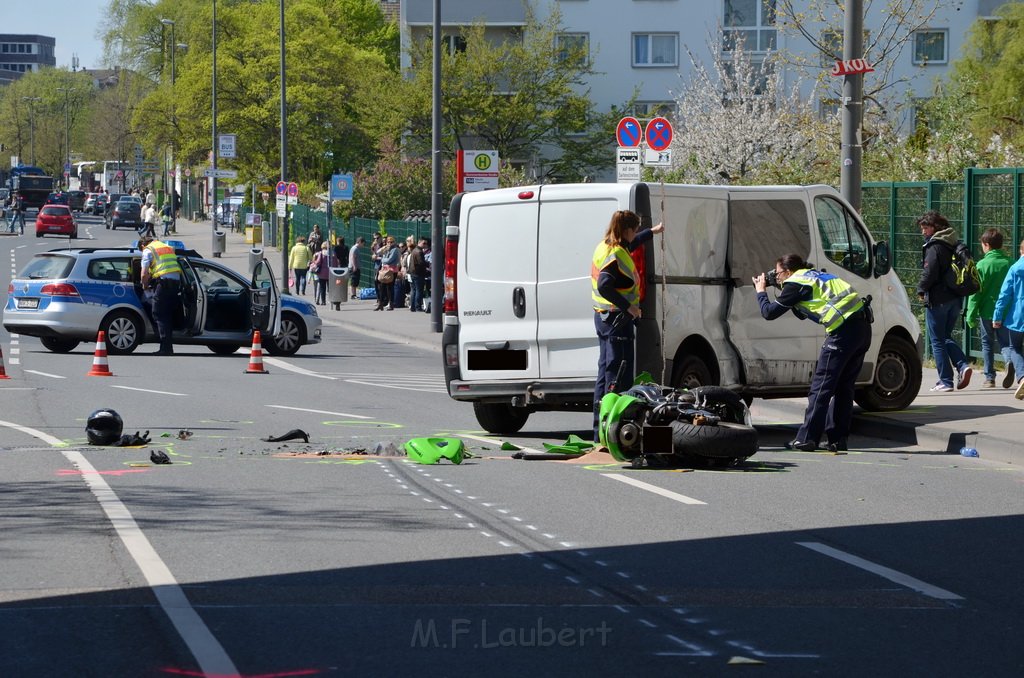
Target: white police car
(66,296)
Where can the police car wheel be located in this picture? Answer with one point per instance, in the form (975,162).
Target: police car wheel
(58,344)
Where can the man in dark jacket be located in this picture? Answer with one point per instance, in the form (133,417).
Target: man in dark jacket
(417,274)
(942,306)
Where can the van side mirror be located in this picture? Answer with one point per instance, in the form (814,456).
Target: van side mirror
(883,264)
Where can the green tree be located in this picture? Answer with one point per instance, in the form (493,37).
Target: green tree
(523,96)
(991,73)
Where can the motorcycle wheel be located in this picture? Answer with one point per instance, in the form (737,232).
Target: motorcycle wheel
(724,441)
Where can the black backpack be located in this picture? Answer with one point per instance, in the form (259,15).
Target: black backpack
(963,279)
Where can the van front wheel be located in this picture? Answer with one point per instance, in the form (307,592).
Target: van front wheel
(897,378)
(500,418)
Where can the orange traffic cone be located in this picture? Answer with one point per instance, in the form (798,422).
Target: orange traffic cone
(256,356)
(99,360)
(3,372)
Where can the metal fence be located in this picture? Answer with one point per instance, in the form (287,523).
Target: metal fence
(986,198)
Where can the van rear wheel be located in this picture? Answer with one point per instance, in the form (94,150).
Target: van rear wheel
(691,373)
(500,418)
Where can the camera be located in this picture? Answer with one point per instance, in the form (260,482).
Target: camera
(771,278)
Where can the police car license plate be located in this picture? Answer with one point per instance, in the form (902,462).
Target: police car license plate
(28,303)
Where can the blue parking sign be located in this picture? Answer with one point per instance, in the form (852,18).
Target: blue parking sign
(341,187)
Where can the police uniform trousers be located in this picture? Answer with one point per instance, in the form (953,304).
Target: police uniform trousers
(165,299)
(615,345)
(830,401)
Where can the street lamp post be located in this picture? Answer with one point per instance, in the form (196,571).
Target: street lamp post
(213,114)
(67,136)
(32,125)
(174,132)
(284,156)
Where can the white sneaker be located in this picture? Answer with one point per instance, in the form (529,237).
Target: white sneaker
(1019,393)
(942,388)
(965,378)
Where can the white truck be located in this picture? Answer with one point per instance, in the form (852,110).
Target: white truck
(519,335)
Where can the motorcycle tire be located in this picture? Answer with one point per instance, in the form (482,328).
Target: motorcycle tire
(724,441)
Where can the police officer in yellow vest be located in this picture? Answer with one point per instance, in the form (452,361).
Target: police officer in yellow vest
(615,292)
(162,272)
(831,302)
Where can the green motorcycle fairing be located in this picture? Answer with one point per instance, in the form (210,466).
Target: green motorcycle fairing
(613,405)
(431,450)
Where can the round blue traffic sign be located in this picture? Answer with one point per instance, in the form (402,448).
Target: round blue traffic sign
(659,134)
(293,189)
(628,132)
(282,188)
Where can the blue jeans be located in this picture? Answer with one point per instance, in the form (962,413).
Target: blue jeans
(941,321)
(416,294)
(19,217)
(1015,350)
(1002,336)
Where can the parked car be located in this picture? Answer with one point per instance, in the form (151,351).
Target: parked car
(76,200)
(90,202)
(67,296)
(55,219)
(127,212)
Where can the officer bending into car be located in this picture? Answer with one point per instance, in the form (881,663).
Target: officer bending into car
(846,316)
(615,293)
(161,272)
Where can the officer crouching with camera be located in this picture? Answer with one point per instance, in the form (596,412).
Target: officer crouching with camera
(846,316)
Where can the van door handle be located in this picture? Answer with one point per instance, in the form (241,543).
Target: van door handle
(519,302)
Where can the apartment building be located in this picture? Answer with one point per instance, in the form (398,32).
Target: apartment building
(23,54)
(646,44)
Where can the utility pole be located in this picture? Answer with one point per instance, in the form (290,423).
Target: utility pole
(437,244)
(32,125)
(67,135)
(853,106)
(174,130)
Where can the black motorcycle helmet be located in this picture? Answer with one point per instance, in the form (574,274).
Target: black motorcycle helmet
(104,427)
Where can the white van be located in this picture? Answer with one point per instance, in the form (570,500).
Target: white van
(519,331)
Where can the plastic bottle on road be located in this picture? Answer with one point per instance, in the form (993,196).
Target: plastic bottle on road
(968,452)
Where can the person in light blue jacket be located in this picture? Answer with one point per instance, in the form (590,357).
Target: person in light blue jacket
(1009,313)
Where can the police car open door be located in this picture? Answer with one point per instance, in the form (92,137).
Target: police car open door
(265,304)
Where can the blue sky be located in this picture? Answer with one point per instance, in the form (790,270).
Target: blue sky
(72,22)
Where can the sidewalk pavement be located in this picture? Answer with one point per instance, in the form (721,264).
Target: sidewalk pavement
(989,420)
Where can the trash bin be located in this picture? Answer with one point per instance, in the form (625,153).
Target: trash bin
(219,243)
(337,287)
(255,257)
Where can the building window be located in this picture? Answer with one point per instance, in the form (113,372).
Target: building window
(831,47)
(750,22)
(828,108)
(645,110)
(571,42)
(930,47)
(655,49)
(454,43)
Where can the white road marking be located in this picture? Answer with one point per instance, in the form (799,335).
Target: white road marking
(669,494)
(298,370)
(149,390)
(400,388)
(35,433)
(882,571)
(208,652)
(333,414)
(46,374)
